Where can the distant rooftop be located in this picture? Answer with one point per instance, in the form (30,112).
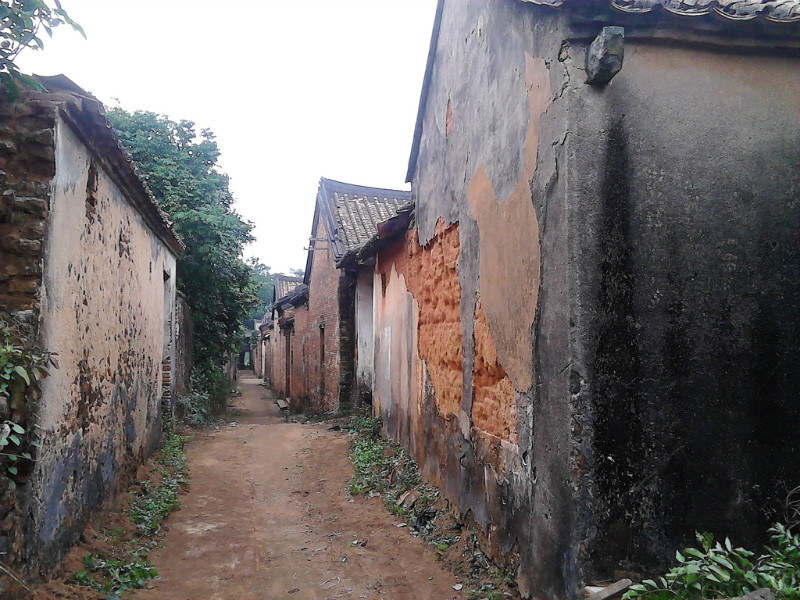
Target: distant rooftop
(351,214)
(285,285)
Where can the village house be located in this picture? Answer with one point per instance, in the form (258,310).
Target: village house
(333,343)
(589,336)
(289,298)
(87,268)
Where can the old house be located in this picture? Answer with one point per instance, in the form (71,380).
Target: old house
(289,295)
(589,339)
(88,267)
(336,339)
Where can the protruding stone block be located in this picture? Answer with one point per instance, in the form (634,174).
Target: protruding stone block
(605,55)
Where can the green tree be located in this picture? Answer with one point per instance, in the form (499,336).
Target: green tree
(181,169)
(265,283)
(20,24)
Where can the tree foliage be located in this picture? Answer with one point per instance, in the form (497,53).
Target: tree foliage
(265,282)
(20,24)
(181,169)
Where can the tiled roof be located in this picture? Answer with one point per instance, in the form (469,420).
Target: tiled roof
(285,285)
(296,297)
(781,11)
(351,214)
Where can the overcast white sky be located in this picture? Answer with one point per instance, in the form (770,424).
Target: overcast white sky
(293,89)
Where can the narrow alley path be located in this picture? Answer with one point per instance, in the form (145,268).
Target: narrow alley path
(268,516)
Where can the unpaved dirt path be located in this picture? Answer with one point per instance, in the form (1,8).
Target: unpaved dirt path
(268,516)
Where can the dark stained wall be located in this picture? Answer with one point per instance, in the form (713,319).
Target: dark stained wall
(685,202)
(646,308)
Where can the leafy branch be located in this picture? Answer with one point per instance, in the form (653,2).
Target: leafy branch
(22,367)
(722,571)
(20,25)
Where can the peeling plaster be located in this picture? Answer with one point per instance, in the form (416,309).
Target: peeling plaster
(509,245)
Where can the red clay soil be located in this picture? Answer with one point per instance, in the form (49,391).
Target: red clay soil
(268,516)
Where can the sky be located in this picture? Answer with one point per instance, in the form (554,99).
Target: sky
(294,91)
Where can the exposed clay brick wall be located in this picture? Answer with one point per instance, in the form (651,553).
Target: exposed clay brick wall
(27,166)
(431,275)
(494,405)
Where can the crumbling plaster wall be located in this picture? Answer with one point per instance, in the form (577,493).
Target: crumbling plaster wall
(686,254)
(278,352)
(492,159)
(102,311)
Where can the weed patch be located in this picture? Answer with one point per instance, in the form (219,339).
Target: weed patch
(384,469)
(124,563)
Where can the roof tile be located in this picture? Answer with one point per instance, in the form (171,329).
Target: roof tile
(781,11)
(351,213)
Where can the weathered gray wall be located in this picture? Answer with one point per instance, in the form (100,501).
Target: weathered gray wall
(645,311)
(684,200)
(102,311)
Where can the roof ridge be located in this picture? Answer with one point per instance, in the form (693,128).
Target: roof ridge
(366,190)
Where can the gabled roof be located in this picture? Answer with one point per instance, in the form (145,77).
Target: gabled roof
(284,285)
(88,117)
(351,215)
(733,12)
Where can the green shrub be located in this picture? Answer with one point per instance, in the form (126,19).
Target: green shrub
(722,571)
(194,409)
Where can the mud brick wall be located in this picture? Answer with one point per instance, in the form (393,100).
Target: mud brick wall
(27,166)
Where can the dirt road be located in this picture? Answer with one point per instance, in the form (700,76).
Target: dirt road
(268,516)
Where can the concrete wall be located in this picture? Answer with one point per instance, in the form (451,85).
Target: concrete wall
(103,311)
